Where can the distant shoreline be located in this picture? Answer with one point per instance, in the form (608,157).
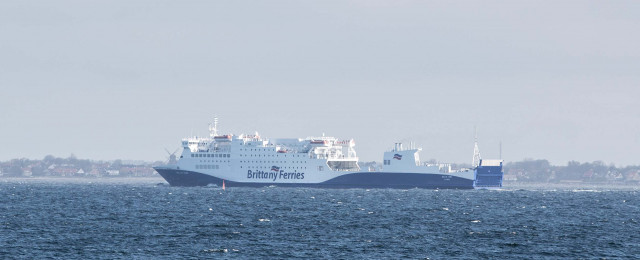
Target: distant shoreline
(563,186)
(87,180)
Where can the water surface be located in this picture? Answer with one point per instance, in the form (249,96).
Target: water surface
(142,220)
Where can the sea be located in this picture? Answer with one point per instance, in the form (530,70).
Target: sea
(147,219)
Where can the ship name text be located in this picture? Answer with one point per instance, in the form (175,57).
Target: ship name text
(273,175)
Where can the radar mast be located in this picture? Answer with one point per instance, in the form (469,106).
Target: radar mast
(476,151)
(213,128)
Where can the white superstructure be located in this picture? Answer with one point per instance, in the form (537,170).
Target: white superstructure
(400,159)
(251,158)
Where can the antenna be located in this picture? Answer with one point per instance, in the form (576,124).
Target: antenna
(213,128)
(476,151)
(500,150)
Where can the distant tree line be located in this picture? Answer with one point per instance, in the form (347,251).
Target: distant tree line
(542,171)
(48,165)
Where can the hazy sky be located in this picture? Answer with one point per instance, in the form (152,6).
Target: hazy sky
(556,80)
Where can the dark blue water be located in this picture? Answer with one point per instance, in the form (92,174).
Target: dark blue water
(64,220)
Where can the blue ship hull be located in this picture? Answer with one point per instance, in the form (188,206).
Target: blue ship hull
(488,177)
(354,180)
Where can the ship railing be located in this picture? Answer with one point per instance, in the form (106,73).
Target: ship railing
(332,157)
(341,158)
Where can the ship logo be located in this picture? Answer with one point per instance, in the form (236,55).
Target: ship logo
(397,157)
(275,168)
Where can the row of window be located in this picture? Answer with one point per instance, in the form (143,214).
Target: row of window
(210,155)
(269,155)
(207,166)
(271,162)
(245,155)
(387,162)
(265,167)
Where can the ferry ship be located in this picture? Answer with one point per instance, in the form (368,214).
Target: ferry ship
(324,162)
